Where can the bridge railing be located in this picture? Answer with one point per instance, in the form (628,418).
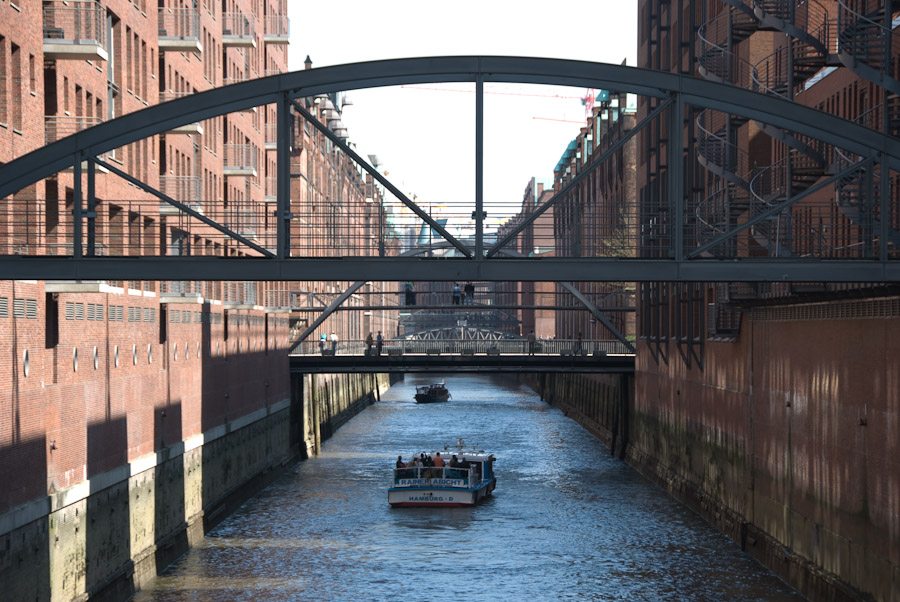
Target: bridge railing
(561,347)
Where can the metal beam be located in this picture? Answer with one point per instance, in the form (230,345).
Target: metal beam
(479,167)
(884,214)
(611,364)
(675,175)
(778,209)
(602,317)
(328,311)
(182,207)
(462,308)
(76,208)
(18,267)
(384,181)
(91,214)
(283,178)
(581,176)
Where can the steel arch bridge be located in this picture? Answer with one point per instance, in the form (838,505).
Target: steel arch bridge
(458,333)
(688,254)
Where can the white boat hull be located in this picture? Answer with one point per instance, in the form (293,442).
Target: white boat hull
(437,496)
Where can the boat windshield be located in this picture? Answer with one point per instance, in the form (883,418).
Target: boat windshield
(439,475)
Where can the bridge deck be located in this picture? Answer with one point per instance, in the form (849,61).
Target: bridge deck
(457,362)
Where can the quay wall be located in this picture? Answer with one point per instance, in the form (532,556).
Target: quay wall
(785,438)
(112,467)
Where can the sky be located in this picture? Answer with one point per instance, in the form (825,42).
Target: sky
(424,135)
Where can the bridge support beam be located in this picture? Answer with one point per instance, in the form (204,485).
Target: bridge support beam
(595,311)
(328,311)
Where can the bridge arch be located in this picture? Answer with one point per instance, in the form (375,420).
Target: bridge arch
(244,95)
(675,91)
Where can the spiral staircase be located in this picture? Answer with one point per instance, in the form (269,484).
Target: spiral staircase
(860,44)
(867,44)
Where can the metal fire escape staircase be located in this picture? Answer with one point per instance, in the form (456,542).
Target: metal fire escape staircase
(867,44)
(853,189)
(782,73)
(716,132)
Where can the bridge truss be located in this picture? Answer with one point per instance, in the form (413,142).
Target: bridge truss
(672,238)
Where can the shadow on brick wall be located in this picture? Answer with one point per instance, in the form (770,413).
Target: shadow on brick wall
(24,552)
(170,515)
(107,524)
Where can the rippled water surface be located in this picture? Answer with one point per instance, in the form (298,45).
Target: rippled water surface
(566,522)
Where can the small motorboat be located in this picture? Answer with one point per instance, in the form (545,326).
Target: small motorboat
(470,480)
(432,393)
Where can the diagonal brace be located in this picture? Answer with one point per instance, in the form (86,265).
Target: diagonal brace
(779,207)
(182,207)
(328,311)
(590,169)
(602,317)
(381,179)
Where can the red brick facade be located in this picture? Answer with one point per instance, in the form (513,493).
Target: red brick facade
(761,399)
(157,362)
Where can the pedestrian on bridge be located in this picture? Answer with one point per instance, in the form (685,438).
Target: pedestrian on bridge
(370,340)
(379,343)
(334,342)
(457,294)
(531,340)
(469,289)
(410,293)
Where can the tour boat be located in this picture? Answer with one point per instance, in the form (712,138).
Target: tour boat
(462,485)
(432,393)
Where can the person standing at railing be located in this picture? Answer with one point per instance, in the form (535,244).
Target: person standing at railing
(457,294)
(410,293)
(579,345)
(454,465)
(322,340)
(413,465)
(370,340)
(469,289)
(379,343)
(334,342)
(531,343)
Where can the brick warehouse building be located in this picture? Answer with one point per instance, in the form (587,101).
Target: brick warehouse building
(136,407)
(773,408)
(593,218)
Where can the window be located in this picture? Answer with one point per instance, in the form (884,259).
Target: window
(16,87)
(4,117)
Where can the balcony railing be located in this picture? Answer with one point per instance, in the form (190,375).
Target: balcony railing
(182,188)
(237,30)
(278,30)
(181,288)
(239,293)
(240,160)
(57,127)
(75,30)
(179,29)
(185,189)
(271,136)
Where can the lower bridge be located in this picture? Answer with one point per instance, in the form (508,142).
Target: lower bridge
(609,356)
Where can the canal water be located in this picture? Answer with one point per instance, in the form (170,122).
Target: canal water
(566,522)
